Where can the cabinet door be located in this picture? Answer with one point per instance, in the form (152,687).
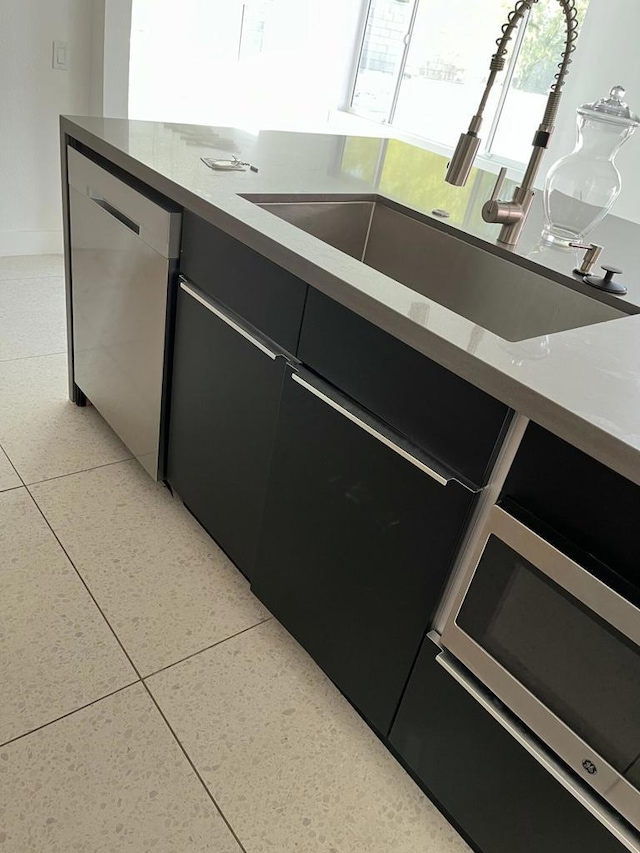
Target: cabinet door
(501,799)
(224,403)
(356,542)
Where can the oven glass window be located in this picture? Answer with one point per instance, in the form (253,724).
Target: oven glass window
(580,667)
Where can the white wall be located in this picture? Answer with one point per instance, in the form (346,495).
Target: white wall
(110,45)
(32,95)
(607,55)
(115,70)
(96,95)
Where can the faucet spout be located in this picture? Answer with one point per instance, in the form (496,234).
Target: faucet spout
(512,214)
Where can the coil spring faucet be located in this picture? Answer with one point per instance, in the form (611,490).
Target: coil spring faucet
(512,215)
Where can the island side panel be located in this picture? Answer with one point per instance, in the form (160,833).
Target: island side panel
(75,394)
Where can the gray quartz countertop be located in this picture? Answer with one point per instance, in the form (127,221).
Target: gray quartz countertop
(582,384)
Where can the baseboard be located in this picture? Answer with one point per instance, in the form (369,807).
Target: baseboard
(30,243)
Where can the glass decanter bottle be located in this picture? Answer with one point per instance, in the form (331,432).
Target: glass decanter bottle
(581,187)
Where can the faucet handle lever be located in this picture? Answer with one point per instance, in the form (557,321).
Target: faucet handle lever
(502,175)
(503,212)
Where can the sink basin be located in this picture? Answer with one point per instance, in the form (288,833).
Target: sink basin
(503,297)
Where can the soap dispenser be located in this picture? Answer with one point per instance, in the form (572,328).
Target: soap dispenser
(581,188)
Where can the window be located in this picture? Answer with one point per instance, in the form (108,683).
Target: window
(253,63)
(253,20)
(424,64)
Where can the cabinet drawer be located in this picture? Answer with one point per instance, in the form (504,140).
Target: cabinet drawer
(592,507)
(259,291)
(435,409)
(491,788)
(356,543)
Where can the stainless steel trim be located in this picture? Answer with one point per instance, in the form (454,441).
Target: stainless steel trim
(605,815)
(464,567)
(376,433)
(583,586)
(595,595)
(202,299)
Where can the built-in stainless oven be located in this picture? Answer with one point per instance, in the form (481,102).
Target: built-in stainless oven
(559,648)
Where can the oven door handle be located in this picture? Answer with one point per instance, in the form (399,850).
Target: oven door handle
(606,816)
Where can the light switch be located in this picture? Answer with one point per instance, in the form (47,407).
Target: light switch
(61,55)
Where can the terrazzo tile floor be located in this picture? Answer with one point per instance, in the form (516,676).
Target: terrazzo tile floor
(148,702)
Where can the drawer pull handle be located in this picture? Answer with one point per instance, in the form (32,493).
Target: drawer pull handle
(226,319)
(373,431)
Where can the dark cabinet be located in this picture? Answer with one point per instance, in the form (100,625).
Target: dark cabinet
(449,417)
(499,796)
(224,405)
(259,291)
(357,539)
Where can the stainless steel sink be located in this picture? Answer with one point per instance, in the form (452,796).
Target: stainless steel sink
(491,291)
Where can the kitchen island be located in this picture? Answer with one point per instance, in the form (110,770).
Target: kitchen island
(321,414)
(583,388)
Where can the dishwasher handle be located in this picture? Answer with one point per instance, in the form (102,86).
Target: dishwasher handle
(377,430)
(152,218)
(113,211)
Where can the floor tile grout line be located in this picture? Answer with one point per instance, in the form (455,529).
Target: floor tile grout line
(17,473)
(58,476)
(194,768)
(14,279)
(70,713)
(25,278)
(38,355)
(134,667)
(30,357)
(86,586)
(109,625)
(207,648)
(81,471)
(13,467)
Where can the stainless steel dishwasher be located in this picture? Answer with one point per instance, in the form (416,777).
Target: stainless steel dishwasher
(123,250)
